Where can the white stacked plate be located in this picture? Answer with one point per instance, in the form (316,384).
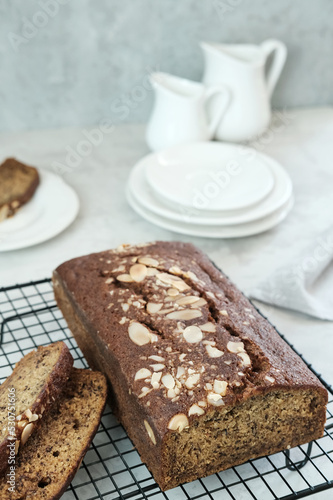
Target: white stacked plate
(211,189)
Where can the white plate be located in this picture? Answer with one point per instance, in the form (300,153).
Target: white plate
(210,176)
(145,196)
(212,231)
(53,207)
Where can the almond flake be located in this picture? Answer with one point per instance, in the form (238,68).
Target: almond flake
(192,380)
(171,393)
(215,399)
(178,422)
(142,373)
(168,381)
(138,272)
(140,335)
(126,278)
(158,367)
(185,315)
(192,334)
(153,308)
(220,387)
(195,410)
(166,311)
(270,379)
(148,261)
(213,352)
(151,271)
(150,431)
(28,413)
(235,347)
(180,372)
(209,342)
(201,302)
(27,431)
(173,292)
(144,392)
(156,358)
(156,377)
(118,269)
(175,281)
(191,275)
(175,270)
(224,312)
(188,299)
(245,358)
(202,403)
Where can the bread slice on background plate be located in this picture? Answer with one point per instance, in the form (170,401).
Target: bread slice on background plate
(18,183)
(48,462)
(28,394)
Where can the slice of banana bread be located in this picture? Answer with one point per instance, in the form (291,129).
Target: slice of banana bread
(200,380)
(18,182)
(28,393)
(51,457)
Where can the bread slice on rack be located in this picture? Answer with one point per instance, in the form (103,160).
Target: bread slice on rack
(18,183)
(47,464)
(28,394)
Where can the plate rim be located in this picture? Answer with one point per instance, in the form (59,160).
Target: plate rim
(40,238)
(211,145)
(188,232)
(204,220)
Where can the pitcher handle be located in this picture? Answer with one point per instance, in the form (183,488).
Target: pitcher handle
(210,92)
(279,59)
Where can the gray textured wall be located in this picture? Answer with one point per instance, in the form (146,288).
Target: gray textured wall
(87,58)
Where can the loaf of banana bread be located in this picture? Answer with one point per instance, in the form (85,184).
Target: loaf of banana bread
(199,378)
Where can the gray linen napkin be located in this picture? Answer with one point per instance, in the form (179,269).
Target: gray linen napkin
(306,284)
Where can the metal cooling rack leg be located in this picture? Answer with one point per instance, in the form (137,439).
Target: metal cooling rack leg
(18,316)
(293,467)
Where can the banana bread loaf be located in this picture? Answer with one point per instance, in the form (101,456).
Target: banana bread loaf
(199,379)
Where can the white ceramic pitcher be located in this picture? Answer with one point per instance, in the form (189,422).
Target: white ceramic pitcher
(241,68)
(179,114)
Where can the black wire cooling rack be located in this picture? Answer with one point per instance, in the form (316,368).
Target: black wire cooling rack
(112,469)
